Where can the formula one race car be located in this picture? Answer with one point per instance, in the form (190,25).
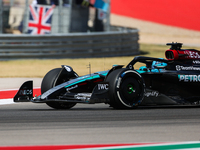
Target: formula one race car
(170,81)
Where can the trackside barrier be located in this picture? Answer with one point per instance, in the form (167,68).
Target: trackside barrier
(121,42)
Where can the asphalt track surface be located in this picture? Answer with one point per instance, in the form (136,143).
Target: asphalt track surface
(38,124)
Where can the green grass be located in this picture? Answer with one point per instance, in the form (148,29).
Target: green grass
(39,67)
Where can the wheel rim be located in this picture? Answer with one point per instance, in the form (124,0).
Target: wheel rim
(129,92)
(130,89)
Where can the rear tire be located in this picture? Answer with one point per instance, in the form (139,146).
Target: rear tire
(126,88)
(48,82)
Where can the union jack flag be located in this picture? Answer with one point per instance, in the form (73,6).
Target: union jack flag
(39,19)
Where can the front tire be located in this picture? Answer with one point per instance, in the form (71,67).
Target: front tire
(48,82)
(126,88)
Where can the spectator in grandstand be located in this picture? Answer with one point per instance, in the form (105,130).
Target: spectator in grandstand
(42,2)
(66,3)
(55,2)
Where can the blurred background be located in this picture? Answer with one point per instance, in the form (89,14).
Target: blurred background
(158,21)
(68,15)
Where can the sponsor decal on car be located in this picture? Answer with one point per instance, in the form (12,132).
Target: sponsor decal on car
(68,68)
(25,92)
(103,86)
(196,62)
(151,93)
(189,78)
(130,67)
(192,54)
(70,88)
(119,81)
(83,96)
(179,68)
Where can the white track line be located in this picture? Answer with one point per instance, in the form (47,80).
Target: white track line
(6,101)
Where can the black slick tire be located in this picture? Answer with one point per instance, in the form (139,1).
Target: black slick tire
(126,88)
(48,82)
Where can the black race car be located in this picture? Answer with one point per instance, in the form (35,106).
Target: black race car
(171,81)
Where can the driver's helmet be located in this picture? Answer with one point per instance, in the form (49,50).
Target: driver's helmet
(154,67)
(156,64)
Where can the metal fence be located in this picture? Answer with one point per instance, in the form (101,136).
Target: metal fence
(121,42)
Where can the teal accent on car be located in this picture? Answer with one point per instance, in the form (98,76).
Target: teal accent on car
(87,77)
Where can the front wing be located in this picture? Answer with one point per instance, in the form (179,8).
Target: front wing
(98,95)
